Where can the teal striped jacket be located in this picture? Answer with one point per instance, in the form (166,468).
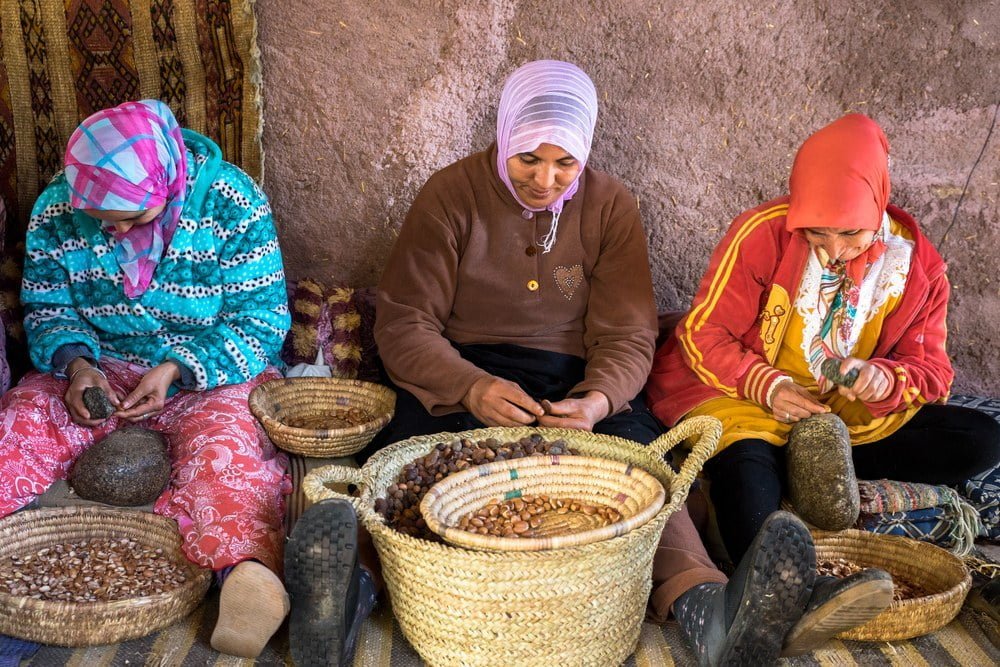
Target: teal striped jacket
(217,303)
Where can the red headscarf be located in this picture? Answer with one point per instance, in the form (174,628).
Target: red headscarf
(840,178)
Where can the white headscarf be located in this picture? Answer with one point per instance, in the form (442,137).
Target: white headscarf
(546,102)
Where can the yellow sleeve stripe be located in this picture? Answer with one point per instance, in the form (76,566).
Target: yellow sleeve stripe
(697,318)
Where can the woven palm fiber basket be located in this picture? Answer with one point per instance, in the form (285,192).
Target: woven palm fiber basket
(582,605)
(937,571)
(93,623)
(635,494)
(301,415)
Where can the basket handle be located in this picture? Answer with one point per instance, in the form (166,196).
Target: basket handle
(314,485)
(708,429)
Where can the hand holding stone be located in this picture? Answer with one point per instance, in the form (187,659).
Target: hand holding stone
(831,370)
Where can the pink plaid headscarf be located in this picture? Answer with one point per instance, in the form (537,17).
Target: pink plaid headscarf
(131,158)
(546,102)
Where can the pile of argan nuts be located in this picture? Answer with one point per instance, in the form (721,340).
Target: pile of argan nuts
(842,568)
(521,517)
(336,418)
(401,504)
(95,570)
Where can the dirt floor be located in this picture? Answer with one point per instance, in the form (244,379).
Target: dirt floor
(703,106)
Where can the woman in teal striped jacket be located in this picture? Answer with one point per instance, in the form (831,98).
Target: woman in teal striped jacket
(153,272)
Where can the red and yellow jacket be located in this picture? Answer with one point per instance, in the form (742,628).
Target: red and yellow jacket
(726,344)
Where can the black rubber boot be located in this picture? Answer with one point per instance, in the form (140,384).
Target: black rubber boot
(744,622)
(323,578)
(836,606)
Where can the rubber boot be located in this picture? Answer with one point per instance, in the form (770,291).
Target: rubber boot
(838,605)
(745,621)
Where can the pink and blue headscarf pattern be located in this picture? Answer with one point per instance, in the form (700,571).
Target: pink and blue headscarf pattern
(546,102)
(131,158)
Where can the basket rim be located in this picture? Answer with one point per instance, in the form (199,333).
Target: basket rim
(947,560)
(385,394)
(552,463)
(375,523)
(198,573)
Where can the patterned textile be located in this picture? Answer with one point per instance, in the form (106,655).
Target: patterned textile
(923,512)
(131,158)
(63,61)
(228,482)
(4,365)
(325,319)
(218,305)
(13,651)
(983,491)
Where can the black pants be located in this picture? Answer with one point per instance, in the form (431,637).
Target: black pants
(541,374)
(942,444)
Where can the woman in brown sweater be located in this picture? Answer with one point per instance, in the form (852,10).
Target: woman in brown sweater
(519,292)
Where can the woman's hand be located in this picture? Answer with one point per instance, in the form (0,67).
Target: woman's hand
(579,413)
(498,402)
(83,375)
(149,396)
(873,383)
(791,402)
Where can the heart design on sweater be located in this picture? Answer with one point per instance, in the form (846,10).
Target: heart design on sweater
(568,279)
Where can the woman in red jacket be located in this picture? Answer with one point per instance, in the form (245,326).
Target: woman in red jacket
(831,273)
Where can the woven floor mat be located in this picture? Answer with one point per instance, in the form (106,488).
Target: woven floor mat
(963,642)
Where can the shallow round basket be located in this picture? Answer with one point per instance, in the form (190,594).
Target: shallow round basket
(937,571)
(631,491)
(93,623)
(299,414)
(579,605)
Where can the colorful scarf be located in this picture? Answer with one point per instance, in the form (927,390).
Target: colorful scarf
(840,180)
(131,158)
(837,308)
(546,102)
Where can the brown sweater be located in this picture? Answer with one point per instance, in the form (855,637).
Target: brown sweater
(467,268)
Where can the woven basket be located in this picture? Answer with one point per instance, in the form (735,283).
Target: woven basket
(581,605)
(295,410)
(930,567)
(93,623)
(631,491)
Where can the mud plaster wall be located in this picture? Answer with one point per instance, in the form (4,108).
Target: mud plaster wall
(703,106)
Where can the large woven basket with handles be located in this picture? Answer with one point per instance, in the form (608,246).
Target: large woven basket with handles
(581,605)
